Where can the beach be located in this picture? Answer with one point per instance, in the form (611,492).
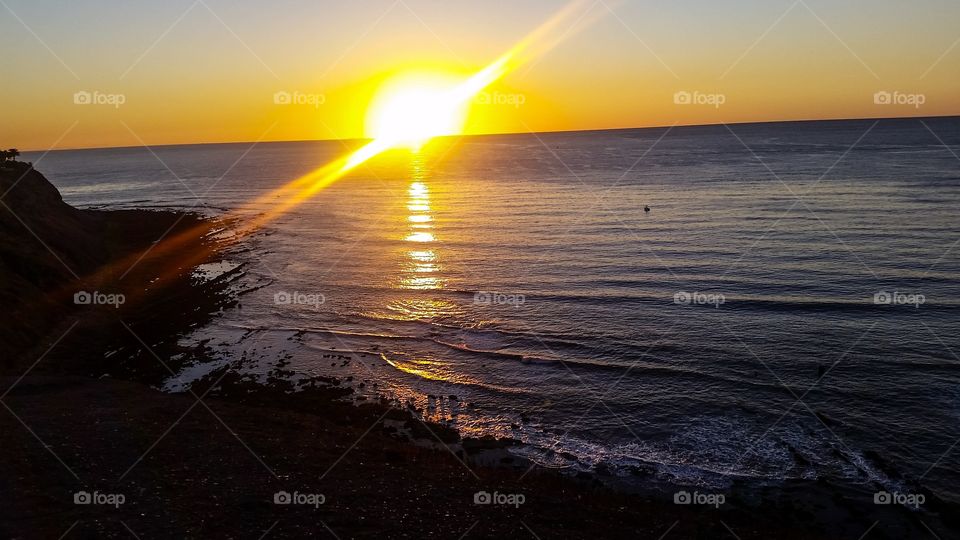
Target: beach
(85,416)
(185,463)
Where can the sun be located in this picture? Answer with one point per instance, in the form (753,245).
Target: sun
(412,108)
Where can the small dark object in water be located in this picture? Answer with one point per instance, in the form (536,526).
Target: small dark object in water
(821,370)
(827,421)
(646,208)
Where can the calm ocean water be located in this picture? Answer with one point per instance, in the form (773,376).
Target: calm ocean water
(514,285)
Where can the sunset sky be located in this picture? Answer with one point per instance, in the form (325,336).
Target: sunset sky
(208,71)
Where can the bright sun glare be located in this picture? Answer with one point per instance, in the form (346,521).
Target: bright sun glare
(408,111)
(411,109)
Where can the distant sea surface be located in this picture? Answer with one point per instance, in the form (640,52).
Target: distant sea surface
(787,309)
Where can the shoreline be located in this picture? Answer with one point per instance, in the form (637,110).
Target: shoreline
(208,462)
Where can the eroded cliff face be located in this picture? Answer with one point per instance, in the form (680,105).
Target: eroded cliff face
(50,251)
(44,245)
(37,228)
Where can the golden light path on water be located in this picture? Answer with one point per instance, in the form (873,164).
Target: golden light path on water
(420,267)
(421,264)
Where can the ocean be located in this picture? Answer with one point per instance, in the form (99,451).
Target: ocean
(786,310)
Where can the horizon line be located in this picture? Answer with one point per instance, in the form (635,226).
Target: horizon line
(495,134)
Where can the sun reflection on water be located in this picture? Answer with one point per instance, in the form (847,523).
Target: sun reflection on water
(421,267)
(420,237)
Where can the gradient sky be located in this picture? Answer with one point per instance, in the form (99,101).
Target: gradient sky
(193,71)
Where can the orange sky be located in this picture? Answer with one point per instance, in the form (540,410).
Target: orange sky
(209,71)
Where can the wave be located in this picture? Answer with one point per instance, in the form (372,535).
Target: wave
(647,364)
(714,452)
(667,298)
